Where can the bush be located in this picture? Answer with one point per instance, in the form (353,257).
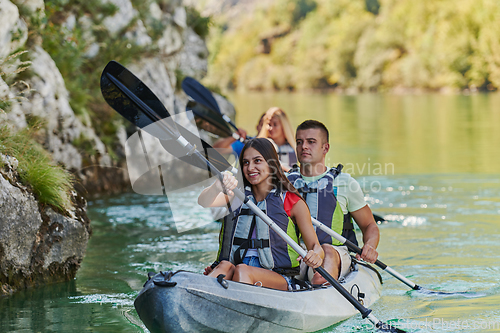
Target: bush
(200,24)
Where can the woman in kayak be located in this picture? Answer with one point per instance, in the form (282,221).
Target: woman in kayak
(258,254)
(277,127)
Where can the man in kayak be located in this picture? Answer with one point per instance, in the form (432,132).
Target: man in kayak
(333,198)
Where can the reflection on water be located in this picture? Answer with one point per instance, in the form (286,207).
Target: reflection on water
(442,231)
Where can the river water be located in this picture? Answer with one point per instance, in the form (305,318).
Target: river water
(428,163)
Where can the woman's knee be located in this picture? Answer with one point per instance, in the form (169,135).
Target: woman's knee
(226,265)
(241,268)
(242,271)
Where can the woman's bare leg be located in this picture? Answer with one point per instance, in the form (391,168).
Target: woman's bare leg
(252,275)
(224,267)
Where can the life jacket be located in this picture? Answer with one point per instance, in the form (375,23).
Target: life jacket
(274,252)
(286,154)
(225,238)
(321,198)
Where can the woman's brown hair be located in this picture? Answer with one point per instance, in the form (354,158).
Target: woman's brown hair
(266,149)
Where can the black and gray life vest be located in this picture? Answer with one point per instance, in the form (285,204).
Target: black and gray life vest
(321,197)
(274,253)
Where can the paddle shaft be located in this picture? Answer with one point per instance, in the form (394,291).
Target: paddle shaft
(354,248)
(229,121)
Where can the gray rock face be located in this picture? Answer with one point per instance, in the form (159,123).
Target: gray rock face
(171,41)
(31,5)
(122,18)
(155,75)
(19,223)
(73,236)
(13,35)
(229,8)
(13,31)
(48,100)
(181,50)
(37,244)
(192,60)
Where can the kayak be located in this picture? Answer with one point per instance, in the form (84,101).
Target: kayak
(190,302)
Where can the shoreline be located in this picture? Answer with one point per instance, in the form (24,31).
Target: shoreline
(356,91)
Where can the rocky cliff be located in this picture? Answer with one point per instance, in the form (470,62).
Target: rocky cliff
(68,43)
(38,244)
(76,140)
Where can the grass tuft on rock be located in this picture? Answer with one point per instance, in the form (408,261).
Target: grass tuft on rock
(51,184)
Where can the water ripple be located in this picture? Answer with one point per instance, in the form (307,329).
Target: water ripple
(114,299)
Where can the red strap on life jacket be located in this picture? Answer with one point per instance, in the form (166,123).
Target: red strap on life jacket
(290,200)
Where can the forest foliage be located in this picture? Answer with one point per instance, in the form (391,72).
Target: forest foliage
(362,44)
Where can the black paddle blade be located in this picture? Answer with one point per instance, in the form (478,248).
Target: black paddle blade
(114,79)
(208,119)
(199,93)
(130,97)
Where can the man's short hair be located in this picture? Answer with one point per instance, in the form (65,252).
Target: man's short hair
(314,124)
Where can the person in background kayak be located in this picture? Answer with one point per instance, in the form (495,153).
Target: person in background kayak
(258,254)
(277,127)
(333,198)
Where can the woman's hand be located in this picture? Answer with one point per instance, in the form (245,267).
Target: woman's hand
(266,122)
(268,116)
(208,270)
(213,195)
(242,133)
(312,259)
(229,183)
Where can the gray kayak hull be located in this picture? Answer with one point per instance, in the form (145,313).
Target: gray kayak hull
(191,302)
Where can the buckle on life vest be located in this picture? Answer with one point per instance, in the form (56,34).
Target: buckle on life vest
(306,189)
(258,243)
(250,243)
